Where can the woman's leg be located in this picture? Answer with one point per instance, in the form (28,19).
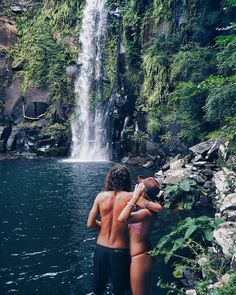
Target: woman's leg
(141,274)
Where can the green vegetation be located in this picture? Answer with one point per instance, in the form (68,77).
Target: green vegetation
(186,248)
(47,43)
(175,54)
(226,288)
(181,195)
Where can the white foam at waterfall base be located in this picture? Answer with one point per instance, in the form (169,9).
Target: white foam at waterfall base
(89,142)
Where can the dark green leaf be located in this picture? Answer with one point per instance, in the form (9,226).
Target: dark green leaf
(208,235)
(185,185)
(190,231)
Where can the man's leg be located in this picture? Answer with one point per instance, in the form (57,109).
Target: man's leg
(119,261)
(101,269)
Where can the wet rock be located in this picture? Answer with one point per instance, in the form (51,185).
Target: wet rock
(208,173)
(11,142)
(200,164)
(191,167)
(46,142)
(228,207)
(197,158)
(5,132)
(29,155)
(2,146)
(18,9)
(213,151)
(127,122)
(175,176)
(149,164)
(21,141)
(177,164)
(151,148)
(14,102)
(225,181)
(228,202)
(199,178)
(223,150)
(134,160)
(7,33)
(203,147)
(167,165)
(225,237)
(230,214)
(209,185)
(35,109)
(159,173)
(43,151)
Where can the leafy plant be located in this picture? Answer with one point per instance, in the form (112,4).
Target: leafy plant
(227,288)
(186,246)
(181,195)
(221,103)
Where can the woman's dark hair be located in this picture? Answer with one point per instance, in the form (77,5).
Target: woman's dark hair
(118,179)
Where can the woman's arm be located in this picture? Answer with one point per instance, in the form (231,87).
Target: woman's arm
(126,214)
(153,206)
(92,222)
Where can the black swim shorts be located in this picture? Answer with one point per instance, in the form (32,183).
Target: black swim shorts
(113,264)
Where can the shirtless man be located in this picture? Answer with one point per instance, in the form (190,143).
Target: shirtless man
(112,259)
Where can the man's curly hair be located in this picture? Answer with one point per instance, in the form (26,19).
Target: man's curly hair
(118,179)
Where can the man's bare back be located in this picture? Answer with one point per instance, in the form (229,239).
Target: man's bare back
(109,204)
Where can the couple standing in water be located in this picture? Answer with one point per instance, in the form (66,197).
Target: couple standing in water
(123,241)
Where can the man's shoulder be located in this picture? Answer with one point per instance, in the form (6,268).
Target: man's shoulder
(121,195)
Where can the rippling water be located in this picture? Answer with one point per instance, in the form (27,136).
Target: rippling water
(45,246)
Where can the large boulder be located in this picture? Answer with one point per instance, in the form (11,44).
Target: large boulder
(202,147)
(29,106)
(225,181)
(11,142)
(35,109)
(225,237)
(5,132)
(228,207)
(175,176)
(14,102)
(7,33)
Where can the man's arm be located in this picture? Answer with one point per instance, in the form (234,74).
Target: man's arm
(92,222)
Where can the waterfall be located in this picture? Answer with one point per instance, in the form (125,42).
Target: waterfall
(89,141)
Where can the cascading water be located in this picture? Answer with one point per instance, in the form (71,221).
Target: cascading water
(88,132)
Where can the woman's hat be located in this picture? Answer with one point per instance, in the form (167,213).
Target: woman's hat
(152,186)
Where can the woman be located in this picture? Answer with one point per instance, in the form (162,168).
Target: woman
(140,222)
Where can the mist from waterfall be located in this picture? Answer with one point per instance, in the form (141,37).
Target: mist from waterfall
(89,142)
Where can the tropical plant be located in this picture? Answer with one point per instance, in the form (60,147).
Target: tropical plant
(182,195)
(186,246)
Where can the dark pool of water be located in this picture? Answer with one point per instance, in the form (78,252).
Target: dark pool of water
(45,246)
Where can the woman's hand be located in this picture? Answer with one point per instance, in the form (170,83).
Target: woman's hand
(138,191)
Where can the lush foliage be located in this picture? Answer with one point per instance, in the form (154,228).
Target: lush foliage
(179,58)
(181,195)
(47,44)
(226,288)
(185,246)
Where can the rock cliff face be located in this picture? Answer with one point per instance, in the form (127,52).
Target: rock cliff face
(27,127)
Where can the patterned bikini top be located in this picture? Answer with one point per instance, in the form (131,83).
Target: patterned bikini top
(137,227)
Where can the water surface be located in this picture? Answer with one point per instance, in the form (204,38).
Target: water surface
(45,246)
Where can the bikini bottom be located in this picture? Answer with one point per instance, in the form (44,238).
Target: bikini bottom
(148,252)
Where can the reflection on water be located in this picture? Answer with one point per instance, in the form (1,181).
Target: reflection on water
(45,246)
